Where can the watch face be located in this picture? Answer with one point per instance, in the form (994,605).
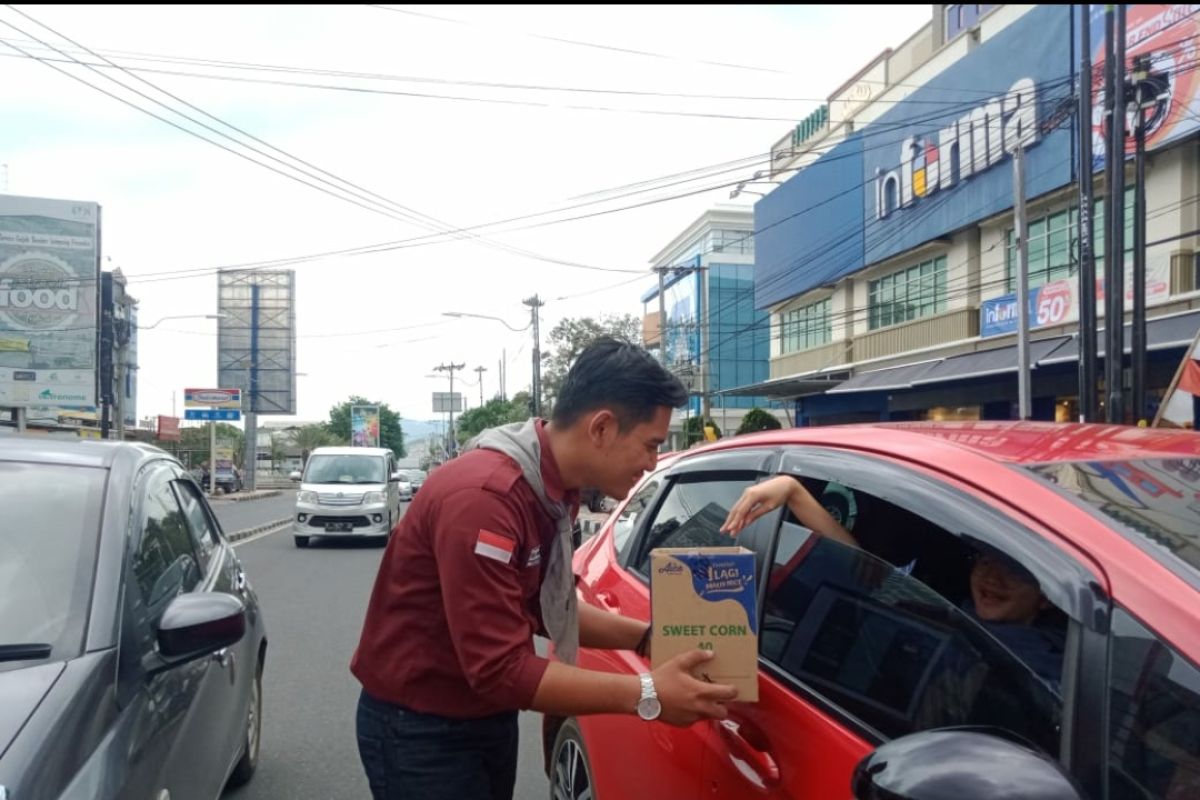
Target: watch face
(649,708)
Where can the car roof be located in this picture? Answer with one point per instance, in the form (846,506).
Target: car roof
(1005,441)
(72,452)
(350,451)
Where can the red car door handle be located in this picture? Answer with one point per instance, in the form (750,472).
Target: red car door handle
(759,767)
(608,600)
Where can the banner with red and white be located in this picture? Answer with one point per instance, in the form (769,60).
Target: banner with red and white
(1178,408)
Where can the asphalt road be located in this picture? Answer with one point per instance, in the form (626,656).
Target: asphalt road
(313,602)
(235,516)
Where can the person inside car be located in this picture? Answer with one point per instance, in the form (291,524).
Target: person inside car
(1005,598)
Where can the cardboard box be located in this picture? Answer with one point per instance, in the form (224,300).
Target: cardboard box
(705,597)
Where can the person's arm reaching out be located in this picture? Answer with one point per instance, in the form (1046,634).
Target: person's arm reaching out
(763,498)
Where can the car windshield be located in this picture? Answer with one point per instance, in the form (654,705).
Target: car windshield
(345,469)
(1156,502)
(48,535)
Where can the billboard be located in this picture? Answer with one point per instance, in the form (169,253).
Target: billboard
(49,296)
(256,338)
(364,426)
(1170,36)
(168,429)
(212,398)
(445,402)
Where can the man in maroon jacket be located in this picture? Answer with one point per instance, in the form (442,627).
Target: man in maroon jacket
(481,562)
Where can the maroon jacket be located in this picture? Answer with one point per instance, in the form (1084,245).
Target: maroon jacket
(450,624)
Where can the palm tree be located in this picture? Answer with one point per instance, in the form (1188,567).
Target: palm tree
(310,437)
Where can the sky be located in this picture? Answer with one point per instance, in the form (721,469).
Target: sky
(409,133)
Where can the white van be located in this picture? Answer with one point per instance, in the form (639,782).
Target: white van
(347,491)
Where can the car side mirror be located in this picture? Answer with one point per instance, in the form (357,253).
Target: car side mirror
(950,764)
(396,477)
(294,476)
(199,624)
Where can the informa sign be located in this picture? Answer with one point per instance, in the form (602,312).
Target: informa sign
(49,295)
(364,426)
(1057,302)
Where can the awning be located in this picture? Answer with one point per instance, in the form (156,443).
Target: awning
(990,362)
(1162,333)
(787,388)
(892,378)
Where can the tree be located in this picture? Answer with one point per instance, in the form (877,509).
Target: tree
(693,433)
(196,442)
(757,419)
(278,448)
(391,435)
(492,413)
(568,339)
(310,437)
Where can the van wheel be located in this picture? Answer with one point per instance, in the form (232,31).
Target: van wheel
(301,541)
(570,770)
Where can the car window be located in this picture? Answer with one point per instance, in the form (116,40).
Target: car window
(164,564)
(626,522)
(200,526)
(874,636)
(692,513)
(1154,717)
(50,519)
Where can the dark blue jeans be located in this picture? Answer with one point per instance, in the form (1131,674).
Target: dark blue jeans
(413,756)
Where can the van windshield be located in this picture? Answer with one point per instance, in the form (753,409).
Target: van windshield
(345,469)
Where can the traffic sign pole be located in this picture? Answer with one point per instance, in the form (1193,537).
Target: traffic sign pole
(212,457)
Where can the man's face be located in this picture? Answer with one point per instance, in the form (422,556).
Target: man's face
(1000,594)
(620,458)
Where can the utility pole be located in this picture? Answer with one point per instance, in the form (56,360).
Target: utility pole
(503,369)
(1147,87)
(479,371)
(451,367)
(1024,395)
(662,315)
(1114,261)
(1087,252)
(534,304)
(704,359)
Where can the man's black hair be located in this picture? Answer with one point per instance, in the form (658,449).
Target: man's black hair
(615,374)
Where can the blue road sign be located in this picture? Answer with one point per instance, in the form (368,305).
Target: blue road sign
(213,414)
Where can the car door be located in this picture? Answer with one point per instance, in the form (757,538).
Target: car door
(861,645)
(683,505)
(175,749)
(225,692)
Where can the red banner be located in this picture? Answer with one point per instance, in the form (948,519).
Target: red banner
(168,429)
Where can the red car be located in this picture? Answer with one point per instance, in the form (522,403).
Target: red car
(882,672)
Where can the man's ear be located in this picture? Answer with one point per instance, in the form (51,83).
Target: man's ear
(602,427)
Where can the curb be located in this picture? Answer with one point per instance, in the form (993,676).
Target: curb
(242,498)
(237,536)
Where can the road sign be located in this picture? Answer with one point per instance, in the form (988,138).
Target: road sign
(444,402)
(213,414)
(212,398)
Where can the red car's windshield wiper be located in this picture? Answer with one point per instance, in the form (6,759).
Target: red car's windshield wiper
(24,652)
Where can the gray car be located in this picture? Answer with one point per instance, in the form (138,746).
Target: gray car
(131,643)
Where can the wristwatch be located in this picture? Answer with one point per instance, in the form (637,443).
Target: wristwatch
(648,707)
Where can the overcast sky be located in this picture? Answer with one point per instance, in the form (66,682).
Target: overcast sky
(373,324)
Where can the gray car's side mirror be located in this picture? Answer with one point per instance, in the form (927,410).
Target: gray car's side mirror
(294,476)
(198,624)
(950,764)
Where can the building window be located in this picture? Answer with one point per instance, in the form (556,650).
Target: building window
(1054,244)
(806,327)
(728,241)
(919,291)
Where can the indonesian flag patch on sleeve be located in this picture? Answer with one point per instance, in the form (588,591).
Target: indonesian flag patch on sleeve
(494,546)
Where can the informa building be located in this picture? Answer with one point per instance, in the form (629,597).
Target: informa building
(886,259)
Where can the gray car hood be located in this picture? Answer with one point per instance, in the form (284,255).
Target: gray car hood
(21,690)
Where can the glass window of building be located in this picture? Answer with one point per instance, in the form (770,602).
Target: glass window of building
(806,327)
(912,293)
(1054,245)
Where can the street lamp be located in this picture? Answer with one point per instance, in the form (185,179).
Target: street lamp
(461,314)
(182,316)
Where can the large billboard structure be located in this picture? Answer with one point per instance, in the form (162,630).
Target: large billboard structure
(256,347)
(364,426)
(49,295)
(256,338)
